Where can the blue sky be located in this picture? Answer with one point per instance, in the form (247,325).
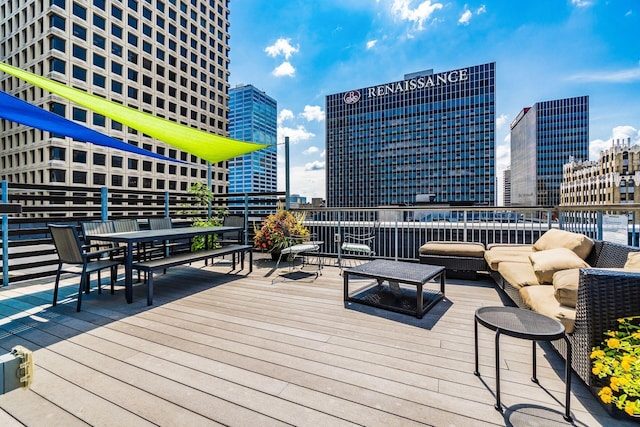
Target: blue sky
(300,51)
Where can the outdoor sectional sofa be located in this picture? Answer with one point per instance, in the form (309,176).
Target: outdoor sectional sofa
(585,284)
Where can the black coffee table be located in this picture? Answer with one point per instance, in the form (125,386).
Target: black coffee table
(528,325)
(393,296)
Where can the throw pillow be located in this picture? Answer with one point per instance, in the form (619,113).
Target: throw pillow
(554,238)
(565,285)
(633,261)
(546,263)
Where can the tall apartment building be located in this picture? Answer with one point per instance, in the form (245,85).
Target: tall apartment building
(253,118)
(429,135)
(543,138)
(169,58)
(506,185)
(613,179)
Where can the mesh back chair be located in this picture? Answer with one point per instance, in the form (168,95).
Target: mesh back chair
(130,225)
(100,248)
(72,258)
(162,224)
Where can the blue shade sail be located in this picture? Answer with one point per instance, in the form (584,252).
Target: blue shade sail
(19,111)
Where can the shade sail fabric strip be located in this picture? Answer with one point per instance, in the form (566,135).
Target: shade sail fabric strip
(207,146)
(19,111)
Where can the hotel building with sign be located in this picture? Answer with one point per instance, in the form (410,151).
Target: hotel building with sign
(428,135)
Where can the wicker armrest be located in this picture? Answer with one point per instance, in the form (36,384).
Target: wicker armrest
(603,297)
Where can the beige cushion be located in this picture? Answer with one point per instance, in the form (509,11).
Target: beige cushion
(565,286)
(467,249)
(541,299)
(633,261)
(518,274)
(496,256)
(546,263)
(510,247)
(554,238)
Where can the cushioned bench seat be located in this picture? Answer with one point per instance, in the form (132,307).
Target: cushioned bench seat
(461,259)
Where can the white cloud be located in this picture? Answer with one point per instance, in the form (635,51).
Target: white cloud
(628,13)
(621,134)
(482,9)
(314,166)
(580,3)
(620,76)
(501,120)
(285,115)
(306,182)
(313,112)
(465,17)
(371,44)
(281,47)
(284,69)
(295,134)
(402,9)
(311,150)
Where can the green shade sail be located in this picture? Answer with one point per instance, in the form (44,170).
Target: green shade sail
(207,146)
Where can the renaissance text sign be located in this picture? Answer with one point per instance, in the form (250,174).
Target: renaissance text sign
(419,83)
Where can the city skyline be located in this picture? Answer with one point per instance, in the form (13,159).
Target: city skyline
(543,51)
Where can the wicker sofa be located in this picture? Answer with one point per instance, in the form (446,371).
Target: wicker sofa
(605,293)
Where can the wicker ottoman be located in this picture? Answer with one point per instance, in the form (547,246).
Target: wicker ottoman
(461,259)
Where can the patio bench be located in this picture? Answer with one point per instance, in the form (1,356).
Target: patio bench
(152,265)
(461,259)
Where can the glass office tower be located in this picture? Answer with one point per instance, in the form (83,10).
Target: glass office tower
(429,136)
(169,58)
(543,138)
(253,118)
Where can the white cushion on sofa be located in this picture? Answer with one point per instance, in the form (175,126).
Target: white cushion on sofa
(541,300)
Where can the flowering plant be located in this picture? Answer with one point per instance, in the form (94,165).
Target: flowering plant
(619,361)
(279,230)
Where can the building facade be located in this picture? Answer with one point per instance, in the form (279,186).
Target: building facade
(168,58)
(427,135)
(506,185)
(253,118)
(613,179)
(543,138)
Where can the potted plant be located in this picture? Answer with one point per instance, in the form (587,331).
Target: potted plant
(617,362)
(280,230)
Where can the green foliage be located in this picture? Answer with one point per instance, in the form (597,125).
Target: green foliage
(280,230)
(203,196)
(619,361)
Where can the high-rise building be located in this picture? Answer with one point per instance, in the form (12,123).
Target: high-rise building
(613,179)
(253,118)
(168,58)
(429,135)
(506,184)
(543,138)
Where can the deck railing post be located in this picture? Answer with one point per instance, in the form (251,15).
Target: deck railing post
(599,225)
(104,203)
(397,236)
(246,218)
(5,237)
(166,204)
(337,238)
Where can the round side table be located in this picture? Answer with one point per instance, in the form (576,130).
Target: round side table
(524,324)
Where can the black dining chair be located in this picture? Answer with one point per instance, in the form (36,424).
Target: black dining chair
(72,258)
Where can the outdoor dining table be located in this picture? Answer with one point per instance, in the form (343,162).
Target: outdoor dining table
(131,238)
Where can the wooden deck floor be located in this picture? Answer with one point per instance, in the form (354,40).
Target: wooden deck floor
(222,349)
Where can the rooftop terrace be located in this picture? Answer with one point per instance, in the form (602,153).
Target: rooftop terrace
(227,349)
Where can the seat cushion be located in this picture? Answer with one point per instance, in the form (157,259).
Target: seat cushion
(465,249)
(518,274)
(633,261)
(541,299)
(510,247)
(356,247)
(546,263)
(554,238)
(496,256)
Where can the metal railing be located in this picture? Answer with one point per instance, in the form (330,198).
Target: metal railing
(398,231)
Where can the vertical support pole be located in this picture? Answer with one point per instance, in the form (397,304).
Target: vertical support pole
(5,237)
(209,186)
(397,238)
(104,203)
(287,177)
(338,241)
(166,204)
(246,218)
(599,232)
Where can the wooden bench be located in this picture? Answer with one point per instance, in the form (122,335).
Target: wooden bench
(152,265)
